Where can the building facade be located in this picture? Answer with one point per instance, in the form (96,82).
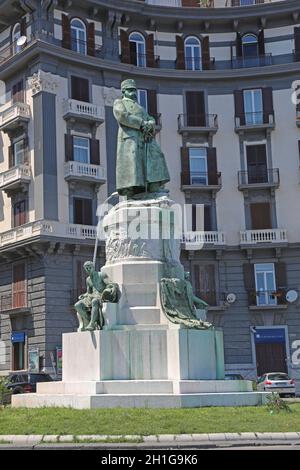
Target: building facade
(218,78)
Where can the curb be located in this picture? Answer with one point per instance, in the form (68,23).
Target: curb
(162,439)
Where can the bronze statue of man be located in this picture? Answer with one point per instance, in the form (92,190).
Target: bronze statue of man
(141,165)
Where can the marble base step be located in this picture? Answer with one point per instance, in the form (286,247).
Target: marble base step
(36,400)
(148,387)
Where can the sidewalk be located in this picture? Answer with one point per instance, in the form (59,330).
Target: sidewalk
(163,440)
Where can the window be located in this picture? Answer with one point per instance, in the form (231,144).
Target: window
(192,52)
(18,355)
(250,49)
(78,36)
(81,149)
(19,213)
(142,96)
(198,165)
(83,213)
(19,290)
(260,216)
(16,34)
(18,92)
(19,153)
(253,105)
(204,282)
(265,284)
(137,49)
(80,89)
(257,163)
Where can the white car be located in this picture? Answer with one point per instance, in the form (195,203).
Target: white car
(278,382)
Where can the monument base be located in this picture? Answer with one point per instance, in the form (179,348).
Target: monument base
(157,367)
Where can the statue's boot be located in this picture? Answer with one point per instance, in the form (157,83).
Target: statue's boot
(92,326)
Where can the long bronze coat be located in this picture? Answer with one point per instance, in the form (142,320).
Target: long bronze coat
(138,162)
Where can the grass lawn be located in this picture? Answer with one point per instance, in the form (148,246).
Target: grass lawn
(146,421)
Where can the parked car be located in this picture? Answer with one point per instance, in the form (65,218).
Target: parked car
(23,382)
(278,382)
(234,377)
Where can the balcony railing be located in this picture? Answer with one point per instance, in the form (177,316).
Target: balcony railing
(197,64)
(14,176)
(205,122)
(263,236)
(259,176)
(142,60)
(254,120)
(12,49)
(257,61)
(78,170)
(18,111)
(13,301)
(264,298)
(201,238)
(74,108)
(202,180)
(47,228)
(82,47)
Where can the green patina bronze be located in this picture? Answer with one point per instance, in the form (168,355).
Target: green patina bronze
(141,165)
(179,302)
(89,305)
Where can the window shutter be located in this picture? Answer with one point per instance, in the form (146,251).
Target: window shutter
(26,149)
(207,218)
(260,216)
(190,3)
(261,43)
(212,166)
(18,92)
(150,50)
(239,106)
(195,108)
(78,211)
(95,151)
(205,286)
(185,166)
(125,47)
(91,39)
(152,103)
(297,43)
(238,44)
(194,218)
(268,103)
(249,281)
(80,89)
(235,3)
(87,212)
(69,147)
(23,26)
(180,62)
(11,156)
(281,282)
(19,286)
(66,32)
(205,54)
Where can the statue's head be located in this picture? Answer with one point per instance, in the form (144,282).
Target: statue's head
(129,90)
(187,275)
(89,267)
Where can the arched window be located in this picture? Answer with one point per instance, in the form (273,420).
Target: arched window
(250,46)
(16,34)
(78,35)
(192,52)
(137,49)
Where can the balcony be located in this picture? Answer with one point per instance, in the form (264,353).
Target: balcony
(298,117)
(77,171)
(254,121)
(141,60)
(15,179)
(258,178)
(198,240)
(82,111)
(248,62)
(201,124)
(48,229)
(267,299)
(196,64)
(266,236)
(201,181)
(16,115)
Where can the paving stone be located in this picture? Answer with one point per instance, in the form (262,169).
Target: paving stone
(291,435)
(166,437)
(200,437)
(216,437)
(150,439)
(247,435)
(232,436)
(183,437)
(66,438)
(262,436)
(50,438)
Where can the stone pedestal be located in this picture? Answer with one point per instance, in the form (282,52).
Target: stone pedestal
(140,358)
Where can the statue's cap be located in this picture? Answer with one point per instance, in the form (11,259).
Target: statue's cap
(128,84)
